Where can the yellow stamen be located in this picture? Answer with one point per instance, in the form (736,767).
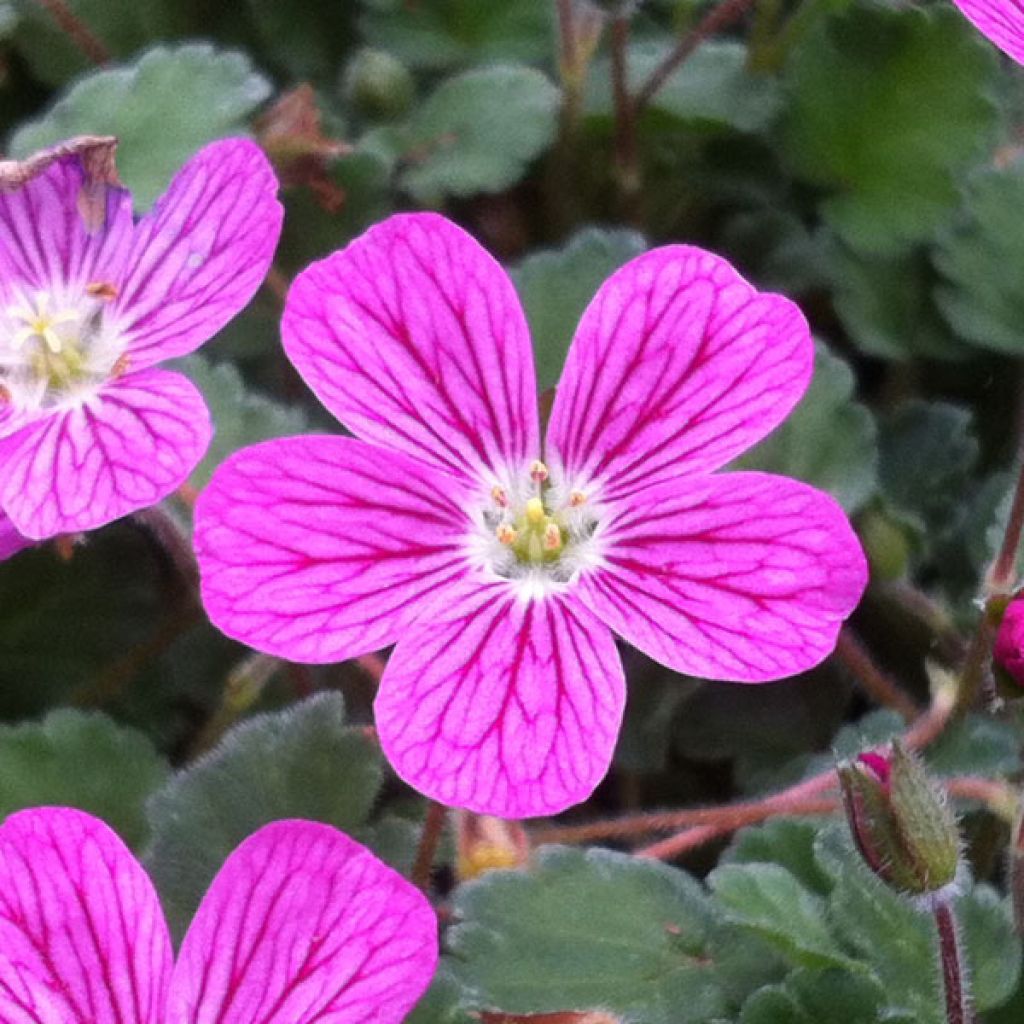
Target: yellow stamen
(507,534)
(50,336)
(577,498)
(535,511)
(499,497)
(552,537)
(538,471)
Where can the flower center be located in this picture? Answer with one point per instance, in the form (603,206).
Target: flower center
(539,530)
(54,349)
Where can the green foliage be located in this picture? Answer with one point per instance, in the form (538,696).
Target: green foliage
(556,285)
(242,416)
(162,107)
(888,105)
(478,132)
(300,763)
(83,760)
(829,440)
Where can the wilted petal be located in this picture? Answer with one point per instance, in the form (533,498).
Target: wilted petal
(1001,21)
(502,706)
(740,576)
(80,917)
(199,255)
(414,338)
(11,542)
(124,450)
(45,241)
(677,366)
(321,548)
(303,925)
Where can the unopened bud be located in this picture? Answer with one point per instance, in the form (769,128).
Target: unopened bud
(1008,652)
(901,822)
(487,844)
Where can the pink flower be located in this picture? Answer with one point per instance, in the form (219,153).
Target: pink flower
(502,578)
(90,430)
(1000,21)
(1009,646)
(301,924)
(11,542)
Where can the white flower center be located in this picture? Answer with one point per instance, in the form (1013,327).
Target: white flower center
(538,530)
(56,349)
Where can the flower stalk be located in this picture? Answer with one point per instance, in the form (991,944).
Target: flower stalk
(954,975)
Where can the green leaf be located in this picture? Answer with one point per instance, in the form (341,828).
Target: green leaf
(788,842)
(993,947)
(770,902)
(829,440)
(163,107)
(443,1002)
(819,997)
(980,259)
(479,132)
(83,760)
(975,744)
(586,930)
(888,306)
(713,88)
(888,106)
(242,417)
(308,39)
(440,34)
(299,763)
(556,285)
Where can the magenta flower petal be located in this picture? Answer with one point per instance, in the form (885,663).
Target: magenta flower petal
(301,925)
(199,255)
(740,576)
(44,239)
(414,338)
(127,448)
(501,705)
(79,918)
(319,548)
(11,542)
(1000,21)
(678,365)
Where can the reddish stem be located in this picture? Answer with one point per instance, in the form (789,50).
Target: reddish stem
(856,657)
(430,839)
(77,31)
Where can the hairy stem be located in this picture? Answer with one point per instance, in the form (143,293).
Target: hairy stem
(954,977)
(77,31)
(722,16)
(430,839)
(875,683)
(1004,569)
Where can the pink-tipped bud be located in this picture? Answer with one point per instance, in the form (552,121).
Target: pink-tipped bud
(1008,652)
(901,821)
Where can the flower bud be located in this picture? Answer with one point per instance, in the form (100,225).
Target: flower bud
(488,844)
(378,85)
(901,822)
(1008,652)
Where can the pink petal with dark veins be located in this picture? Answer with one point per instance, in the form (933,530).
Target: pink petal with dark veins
(126,449)
(413,336)
(304,926)
(197,258)
(321,548)
(501,705)
(678,365)
(82,936)
(739,576)
(1001,21)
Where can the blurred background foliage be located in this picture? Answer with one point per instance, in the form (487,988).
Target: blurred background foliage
(863,157)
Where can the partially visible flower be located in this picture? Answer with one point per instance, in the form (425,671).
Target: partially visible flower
(301,924)
(502,570)
(90,302)
(1000,21)
(1008,651)
(11,542)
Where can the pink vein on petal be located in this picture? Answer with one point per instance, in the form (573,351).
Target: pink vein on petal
(199,255)
(678,365)
(80,923)
(301,926)
(739,576)
(502,706)
(124,450)
(322,548)
(11,542)
(414,338)
(1000,21)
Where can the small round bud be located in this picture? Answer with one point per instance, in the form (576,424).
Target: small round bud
(901,822)
(1008,652)
(488,844)
(378,85)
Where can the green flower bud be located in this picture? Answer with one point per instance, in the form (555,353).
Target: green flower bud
(378,85)
(901,822)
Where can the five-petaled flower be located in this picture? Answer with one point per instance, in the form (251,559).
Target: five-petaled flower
(1000,21)
(89,429)
(301,924)
(501,570)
